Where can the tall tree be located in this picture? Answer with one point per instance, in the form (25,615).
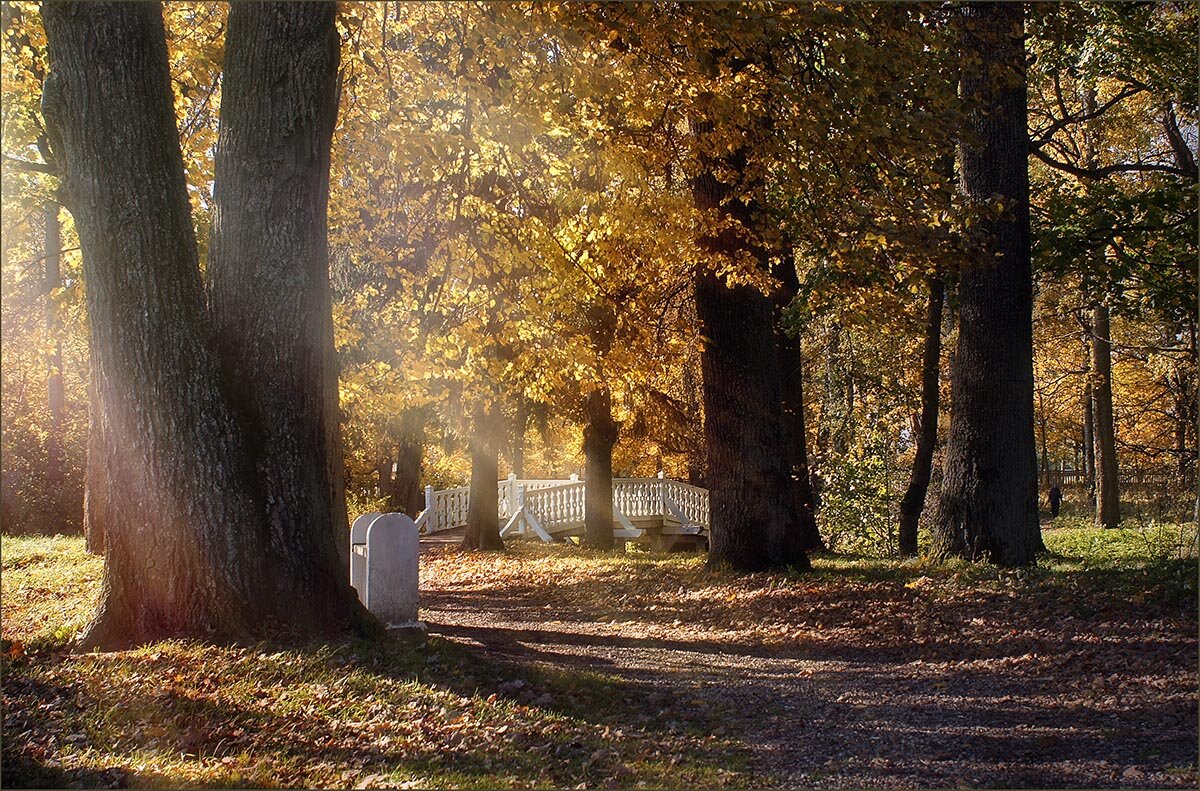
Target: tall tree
(196,542)
(1108,502)
(988,503)
(918,483)
(483,523)
(1107,480)
(269,267)
(599,435)
(754,522)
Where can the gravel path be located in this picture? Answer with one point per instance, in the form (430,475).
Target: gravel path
(901,692)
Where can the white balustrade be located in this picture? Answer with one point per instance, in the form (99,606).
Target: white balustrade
(557,507)
(449,509)
(557,504)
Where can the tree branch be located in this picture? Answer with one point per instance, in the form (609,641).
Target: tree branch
(1104,172)
(1043,137)
(30,167)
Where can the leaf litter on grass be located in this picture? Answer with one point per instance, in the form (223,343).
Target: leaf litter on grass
(550,667)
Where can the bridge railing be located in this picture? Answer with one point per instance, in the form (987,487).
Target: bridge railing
(557,507)
(691,502)
(507,490)
(557,504)
(638,497)
(445,509)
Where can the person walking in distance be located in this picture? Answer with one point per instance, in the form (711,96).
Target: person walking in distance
(1055,500)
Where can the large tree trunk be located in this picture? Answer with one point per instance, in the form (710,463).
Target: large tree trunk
(269,282)
(754,520)
(483,511)
(187,550)
(791,371)
(988,504)
(599,436)
(403,490)
(1108,496)
(176,472)
(918,483)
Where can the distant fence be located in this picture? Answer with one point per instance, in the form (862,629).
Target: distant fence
(1136,478)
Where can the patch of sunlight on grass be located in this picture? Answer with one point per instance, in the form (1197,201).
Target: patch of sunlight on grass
(433,715)
(48,589)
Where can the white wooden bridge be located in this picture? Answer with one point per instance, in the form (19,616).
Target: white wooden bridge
(661,511)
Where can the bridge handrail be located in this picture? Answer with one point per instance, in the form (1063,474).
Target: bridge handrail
(449,509)
(691,501)
(559,505)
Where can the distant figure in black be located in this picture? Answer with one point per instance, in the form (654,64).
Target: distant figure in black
(1055,500)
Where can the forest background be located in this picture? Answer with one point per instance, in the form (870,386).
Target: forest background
(512,244)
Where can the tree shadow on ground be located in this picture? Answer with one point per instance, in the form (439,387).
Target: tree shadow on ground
(1039,683)
(402,711)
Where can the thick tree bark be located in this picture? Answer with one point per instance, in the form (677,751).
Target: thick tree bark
(483,512)
(754,519)
(175,470)
(1108,496)
(269,284)
(599,437)
(918,483)
(187,547)
(988,503)
(791,371)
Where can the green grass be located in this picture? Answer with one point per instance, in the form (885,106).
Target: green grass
(1134,544)
(433,715)
(450,715)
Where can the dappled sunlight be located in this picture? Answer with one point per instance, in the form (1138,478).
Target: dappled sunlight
(720,394)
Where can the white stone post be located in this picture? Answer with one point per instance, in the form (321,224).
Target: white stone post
(393,562)
(358,552)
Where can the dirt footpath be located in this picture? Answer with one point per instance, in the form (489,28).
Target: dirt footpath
(848,681)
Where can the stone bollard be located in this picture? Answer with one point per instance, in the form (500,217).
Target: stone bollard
(358,552)
(392,564)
